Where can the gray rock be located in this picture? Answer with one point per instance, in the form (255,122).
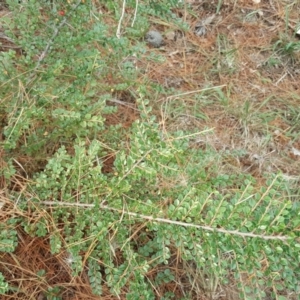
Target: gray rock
(154,38)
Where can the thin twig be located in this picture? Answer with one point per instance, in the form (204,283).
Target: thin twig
(192,92)
(135,12)
(118,34)
(54,35)
(3,36)
(281,78)
(130,105)
(161,220)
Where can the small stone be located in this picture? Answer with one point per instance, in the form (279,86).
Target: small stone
(154,38)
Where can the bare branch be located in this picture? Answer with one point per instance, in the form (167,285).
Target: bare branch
(54,35)
(162,220)
(118,34)
(135,12)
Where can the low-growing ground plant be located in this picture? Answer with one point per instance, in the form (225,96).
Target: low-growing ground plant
(116,184)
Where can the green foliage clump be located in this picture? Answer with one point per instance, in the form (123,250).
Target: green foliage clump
(8,238)
(3,285)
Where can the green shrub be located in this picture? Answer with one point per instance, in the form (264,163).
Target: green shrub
(163,196)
